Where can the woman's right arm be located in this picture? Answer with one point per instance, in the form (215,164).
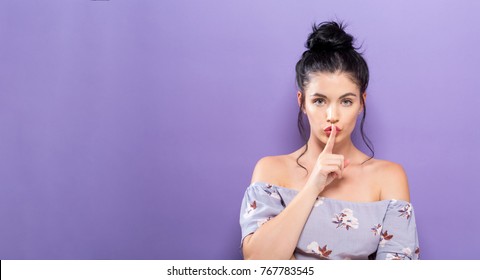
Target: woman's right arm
(278,238)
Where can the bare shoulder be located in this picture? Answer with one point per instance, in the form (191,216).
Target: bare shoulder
(392,179)
(269,169)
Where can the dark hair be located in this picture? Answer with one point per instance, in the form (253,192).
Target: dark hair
(330,49)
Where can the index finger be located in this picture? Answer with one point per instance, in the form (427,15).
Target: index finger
(331,140)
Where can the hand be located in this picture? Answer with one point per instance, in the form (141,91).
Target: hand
(328,167)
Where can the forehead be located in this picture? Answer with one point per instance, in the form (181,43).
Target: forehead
(334,84)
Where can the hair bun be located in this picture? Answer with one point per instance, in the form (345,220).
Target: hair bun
(329,36)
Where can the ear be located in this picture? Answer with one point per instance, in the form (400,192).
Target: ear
(364,101)
(364,95)
(299,100)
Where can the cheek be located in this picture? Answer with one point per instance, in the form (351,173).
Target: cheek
(352,116)
(315,111)
(349,118)
(316,118)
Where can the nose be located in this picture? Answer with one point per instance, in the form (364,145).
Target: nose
(332,115)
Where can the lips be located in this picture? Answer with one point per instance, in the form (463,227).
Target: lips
(329,129)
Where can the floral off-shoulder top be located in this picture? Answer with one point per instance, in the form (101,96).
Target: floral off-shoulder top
(338,229)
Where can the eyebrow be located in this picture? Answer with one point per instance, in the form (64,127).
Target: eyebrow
(345,95)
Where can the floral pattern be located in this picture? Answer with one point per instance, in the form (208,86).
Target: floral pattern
(384,238)
(346,219)
(316,249)
(406,211)
(319,201)
(377,229)
(262,221)
(407,254)
(395,256)
(272,192)
(407,251)
(382,222)
(250,210)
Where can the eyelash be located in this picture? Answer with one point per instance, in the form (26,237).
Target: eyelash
(321,99)
(316,100)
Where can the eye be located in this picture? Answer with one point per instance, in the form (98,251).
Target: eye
(347,102)
(319,101)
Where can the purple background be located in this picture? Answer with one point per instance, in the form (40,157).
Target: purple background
(130,129)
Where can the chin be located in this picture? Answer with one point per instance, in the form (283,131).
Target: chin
(324,138)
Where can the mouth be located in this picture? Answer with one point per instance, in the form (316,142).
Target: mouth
(328,130)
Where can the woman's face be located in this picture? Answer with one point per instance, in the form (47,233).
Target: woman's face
(332,98)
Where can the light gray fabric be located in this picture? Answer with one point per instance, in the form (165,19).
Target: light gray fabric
(338,229)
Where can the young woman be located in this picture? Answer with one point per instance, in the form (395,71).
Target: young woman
(329,200)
